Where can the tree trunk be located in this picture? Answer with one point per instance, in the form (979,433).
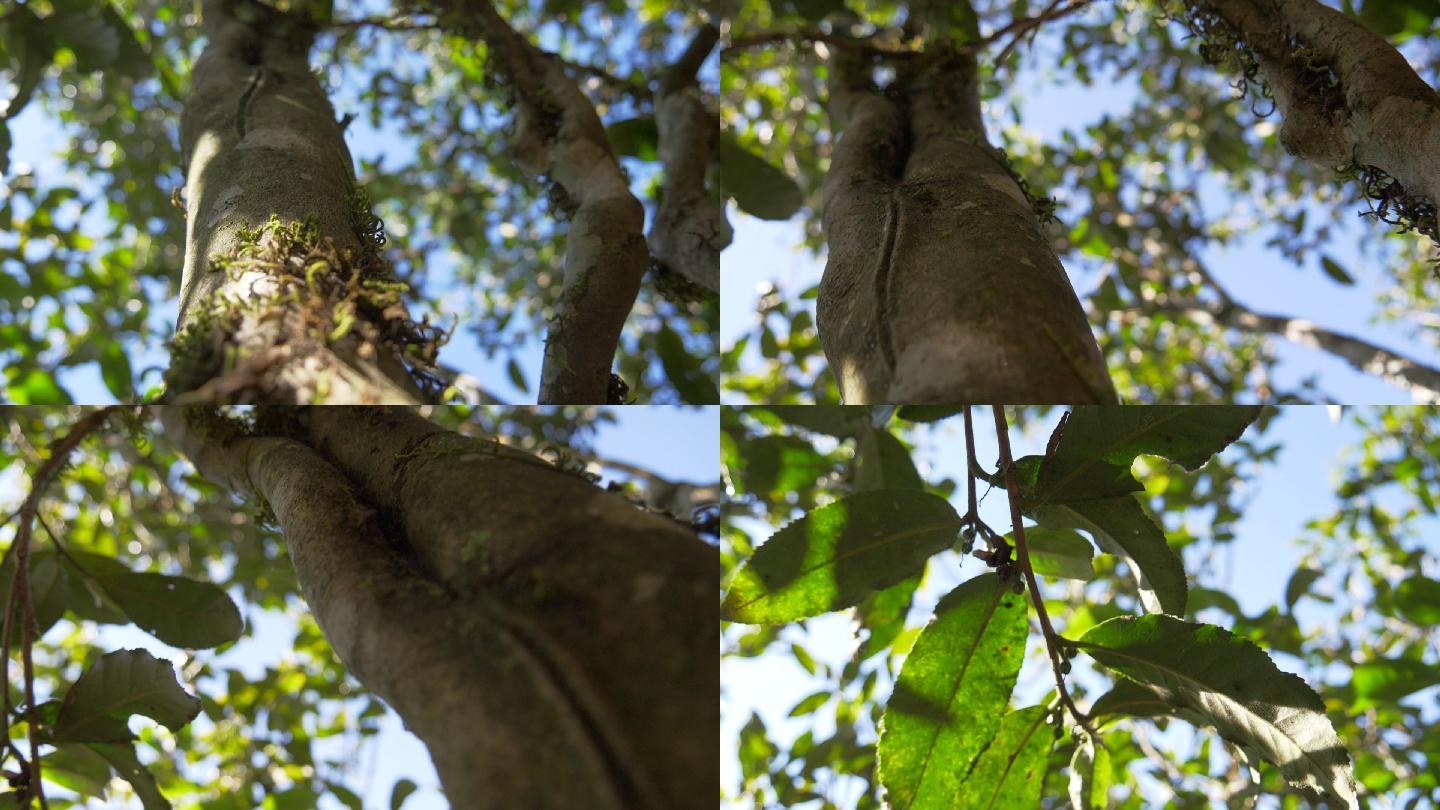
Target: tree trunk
(283,299)
(940,284)
(1376,112)
(551,644)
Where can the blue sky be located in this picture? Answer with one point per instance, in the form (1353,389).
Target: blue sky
(1288,493)
(1256,276)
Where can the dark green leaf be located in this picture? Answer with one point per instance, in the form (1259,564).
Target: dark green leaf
(951,694)
(1130,699)
(773,466)
(345,796)
(127,766)
(635,137)
(400,793)
(1299,585)
(1100,443)
(115,370)
(882,462)
(1418,599)
(1121,527)
(116,686)
(78,768)
(1059,553)
(929,413)
(838,554)
(31,50)
(841,421)
(761,190)
(1333,269)
(517,375)
(49,590)
(683,369)
(810,703)
(1234,686)
(1011,771)
(178,611)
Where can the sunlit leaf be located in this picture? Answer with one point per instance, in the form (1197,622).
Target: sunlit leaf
(1011,771)
(951,694)
(838,554)
(1090,777)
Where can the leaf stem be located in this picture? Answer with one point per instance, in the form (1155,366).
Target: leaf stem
(1022,556)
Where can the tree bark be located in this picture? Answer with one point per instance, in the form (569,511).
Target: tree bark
(1383,114)
(940,285)
(551,644)
(690,228)
(260,311)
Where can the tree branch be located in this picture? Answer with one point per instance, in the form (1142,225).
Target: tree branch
(1022,554)
(20,591)
(559,136)
(1422,381)
(690,228)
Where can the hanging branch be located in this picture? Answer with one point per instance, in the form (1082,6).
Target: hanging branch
(20,592)
(1052,641)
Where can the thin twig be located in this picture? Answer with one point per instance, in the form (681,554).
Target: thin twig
(20,587)
(1022,554)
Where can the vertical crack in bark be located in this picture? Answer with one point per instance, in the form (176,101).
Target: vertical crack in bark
(257,78)
(882,279)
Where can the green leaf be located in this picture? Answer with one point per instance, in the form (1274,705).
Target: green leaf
(1099,443)
(1333,269)
(1058,553)
(1011,772)
(36,387)
(1386,681)
(882,462)
(1130,699)
(517,375)
(127,766)
(116,686)
(929,413)
(1090,776)
(635,137)
(811,10)
(95,43)
(178,611)
(883,614)
(1299,585)
(761,190)
(345,796)
(683,369)
(1121,527)
(810,703)
(1234,686)
(774,466)
(951,694)
(1418,599)
(49,591)
(841,421)
(400,793)
(76,767)
(115,371)
(837,554)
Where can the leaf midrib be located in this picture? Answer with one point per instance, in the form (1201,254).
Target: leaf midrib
(804,572)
